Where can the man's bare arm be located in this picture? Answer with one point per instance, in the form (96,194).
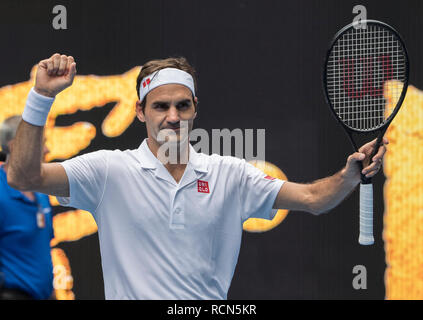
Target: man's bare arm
(26,171)
(317,197)
(324,194)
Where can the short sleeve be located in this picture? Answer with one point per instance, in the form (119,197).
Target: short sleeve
(258,193)
(87,175)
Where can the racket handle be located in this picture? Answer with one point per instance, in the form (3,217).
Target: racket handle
(366,214)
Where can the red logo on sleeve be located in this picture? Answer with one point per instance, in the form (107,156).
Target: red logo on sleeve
(203,186)
(269,178)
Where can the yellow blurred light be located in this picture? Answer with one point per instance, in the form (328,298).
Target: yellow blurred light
(403,193)
(262,225)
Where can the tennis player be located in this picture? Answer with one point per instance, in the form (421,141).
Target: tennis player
(167,230)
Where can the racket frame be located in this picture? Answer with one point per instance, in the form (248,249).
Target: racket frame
(387,122)
(380,129)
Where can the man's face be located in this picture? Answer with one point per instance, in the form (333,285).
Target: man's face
(168,108)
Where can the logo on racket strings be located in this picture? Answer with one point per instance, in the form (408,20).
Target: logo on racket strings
(377,69)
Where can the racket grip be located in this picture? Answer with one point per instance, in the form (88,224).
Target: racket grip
(366,214)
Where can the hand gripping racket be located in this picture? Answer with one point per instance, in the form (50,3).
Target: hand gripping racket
(366,62)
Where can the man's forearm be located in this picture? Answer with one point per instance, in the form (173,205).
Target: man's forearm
(25,171)
(327,193)
(322,195)
(24,168)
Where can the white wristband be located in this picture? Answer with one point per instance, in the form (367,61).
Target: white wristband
(37,108)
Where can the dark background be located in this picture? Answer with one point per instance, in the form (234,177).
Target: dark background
(259,65)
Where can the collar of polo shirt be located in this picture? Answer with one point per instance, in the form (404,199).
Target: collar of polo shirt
(149,161)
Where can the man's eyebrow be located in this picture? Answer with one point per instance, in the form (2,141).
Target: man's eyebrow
(167,102)
(184,101)
(160,102)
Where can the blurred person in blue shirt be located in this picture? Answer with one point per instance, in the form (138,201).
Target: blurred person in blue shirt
(26,270)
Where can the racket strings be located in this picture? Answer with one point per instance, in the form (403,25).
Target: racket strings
(363,67)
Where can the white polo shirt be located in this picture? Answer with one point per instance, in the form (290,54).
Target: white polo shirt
(165,240)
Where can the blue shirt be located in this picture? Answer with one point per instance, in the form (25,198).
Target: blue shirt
(26,229)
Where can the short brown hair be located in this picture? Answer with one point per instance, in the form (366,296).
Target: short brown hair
(155,65)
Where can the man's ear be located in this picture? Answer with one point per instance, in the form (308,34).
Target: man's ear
(139,112)
(196,107)
(7,149)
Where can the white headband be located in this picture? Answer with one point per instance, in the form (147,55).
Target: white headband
(166,76)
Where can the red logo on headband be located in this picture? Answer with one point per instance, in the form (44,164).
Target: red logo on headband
(146,82)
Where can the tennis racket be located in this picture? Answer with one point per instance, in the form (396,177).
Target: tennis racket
(365,61)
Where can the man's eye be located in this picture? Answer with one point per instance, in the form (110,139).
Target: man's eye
(183,105)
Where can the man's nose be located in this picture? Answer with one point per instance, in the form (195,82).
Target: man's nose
(172,115)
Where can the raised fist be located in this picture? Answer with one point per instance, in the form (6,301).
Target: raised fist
(55,75)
